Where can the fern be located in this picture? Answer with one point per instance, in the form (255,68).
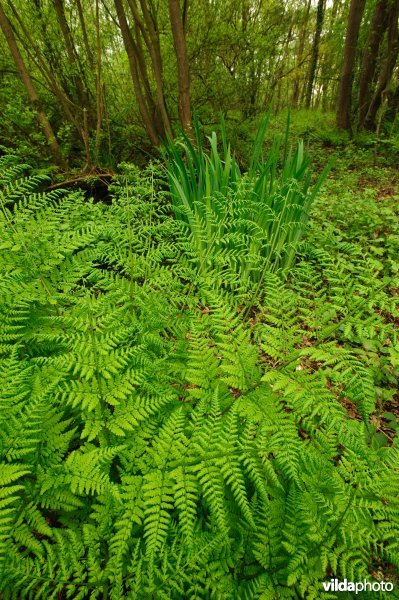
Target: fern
(245,224)
(163,436)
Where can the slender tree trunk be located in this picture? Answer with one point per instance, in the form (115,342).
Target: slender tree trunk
(142,64)
(345,87)
(89,53)
(327,64)
(299,60)
(47,70)
(78,75)
(182,64)
(388,66)
(99,87)
(279,71)
(378,26)
(30,88)
(86,138)
(150,34)
(392,105)
(49,73)
(133,64)
(52,57)
(315,52)
(78,78)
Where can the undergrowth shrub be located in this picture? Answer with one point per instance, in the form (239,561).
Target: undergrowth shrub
(157,440)
(249,223)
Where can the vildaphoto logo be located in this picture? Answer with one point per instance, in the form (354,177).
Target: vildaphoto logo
(357,586)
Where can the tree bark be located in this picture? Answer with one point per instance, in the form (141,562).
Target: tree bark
(183,73)
(49,72)
(89,53)
(99,86)
(327,63)
(346,81)
(301,48)
(78,75)
(315,52)
(84,103)
(279,76)
(388,66)
(30,88)
(378,26)
(152,42)
(142,64)
(392,105)
(133,64)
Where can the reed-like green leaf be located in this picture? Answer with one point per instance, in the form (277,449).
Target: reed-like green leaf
(250,223)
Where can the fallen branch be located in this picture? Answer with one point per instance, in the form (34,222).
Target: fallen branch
(90,176)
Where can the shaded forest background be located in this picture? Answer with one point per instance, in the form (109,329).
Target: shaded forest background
(90,83)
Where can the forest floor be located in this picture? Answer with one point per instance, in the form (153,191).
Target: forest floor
(359,203)
(287,384)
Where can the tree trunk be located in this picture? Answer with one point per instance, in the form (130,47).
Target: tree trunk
(388,67)
(78,74)
(99,86)
(78,78)
(345,86)
(151,40)
(89,53)
(182,64)
(279,70)
(133,64)
(378,26)
(327,64)
(299,60)
(49,72)
(30,88)
(315,52)
(392,105)
(142,64)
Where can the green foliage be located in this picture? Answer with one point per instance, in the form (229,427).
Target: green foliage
(159,441)
(242,58)
(238,224)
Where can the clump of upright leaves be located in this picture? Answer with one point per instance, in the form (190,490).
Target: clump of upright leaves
(248,223)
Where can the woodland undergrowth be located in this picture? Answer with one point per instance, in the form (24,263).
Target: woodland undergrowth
(198,391)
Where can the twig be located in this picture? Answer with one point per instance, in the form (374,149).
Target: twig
(94,175)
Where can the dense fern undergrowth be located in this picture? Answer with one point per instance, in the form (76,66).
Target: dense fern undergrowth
(178,425)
